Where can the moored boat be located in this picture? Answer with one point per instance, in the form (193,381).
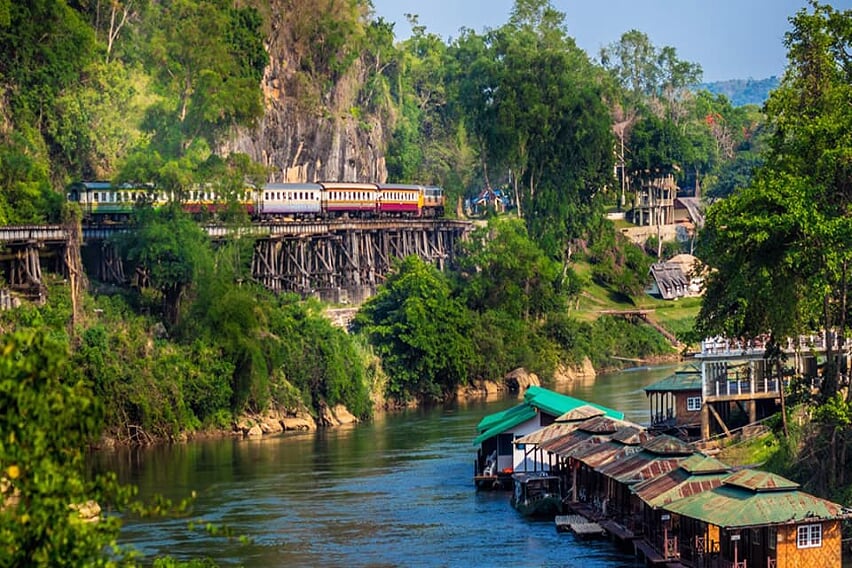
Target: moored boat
(537,494)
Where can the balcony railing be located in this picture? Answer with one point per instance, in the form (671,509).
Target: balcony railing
(756,347)
(745,386)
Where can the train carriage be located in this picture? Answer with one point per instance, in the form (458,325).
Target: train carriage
(345,199)
(102,201)
(291,200)
(400,200)
(433,201)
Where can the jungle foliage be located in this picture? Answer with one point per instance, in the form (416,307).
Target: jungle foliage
(505,307)
(780,245)
(228,346)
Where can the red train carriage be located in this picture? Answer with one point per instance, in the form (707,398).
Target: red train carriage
(399,200)
(345,199)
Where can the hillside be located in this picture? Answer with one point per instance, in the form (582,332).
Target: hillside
(742,91)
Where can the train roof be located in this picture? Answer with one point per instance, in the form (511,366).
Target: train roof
(92,184)
(292,186)
(399,186)
(347,185)
(107,185)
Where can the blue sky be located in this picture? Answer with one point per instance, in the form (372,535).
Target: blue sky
(731,39)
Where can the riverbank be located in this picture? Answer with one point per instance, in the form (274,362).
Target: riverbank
(280,419)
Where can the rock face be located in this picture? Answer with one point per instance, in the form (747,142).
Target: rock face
(516,381)
(520,379)
(337,416)
(274,421)
(584,372)
(309,132)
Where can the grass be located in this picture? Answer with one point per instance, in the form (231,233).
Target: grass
(755,451)
(676,316)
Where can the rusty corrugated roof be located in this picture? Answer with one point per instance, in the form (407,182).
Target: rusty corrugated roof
(676,485)
(760,481)
(599,425)
(665,445)
(581,413)
(552,432)
(639,466)
(598,455)
(563,447)
(633,435)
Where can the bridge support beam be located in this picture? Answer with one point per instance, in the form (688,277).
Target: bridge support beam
(346,265)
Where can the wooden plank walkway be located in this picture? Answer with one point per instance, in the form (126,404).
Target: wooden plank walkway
(579,525)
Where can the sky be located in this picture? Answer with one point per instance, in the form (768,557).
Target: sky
(730,39)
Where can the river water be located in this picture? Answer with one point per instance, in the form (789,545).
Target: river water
(396,491)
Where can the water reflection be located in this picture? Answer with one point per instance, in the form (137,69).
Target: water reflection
(394,492)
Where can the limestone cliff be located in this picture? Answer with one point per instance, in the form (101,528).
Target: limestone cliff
(313,129)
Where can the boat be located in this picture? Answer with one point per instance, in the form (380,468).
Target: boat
(537,494)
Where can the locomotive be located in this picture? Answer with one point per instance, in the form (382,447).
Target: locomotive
(101,201)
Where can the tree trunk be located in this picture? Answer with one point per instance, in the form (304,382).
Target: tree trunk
(828,388)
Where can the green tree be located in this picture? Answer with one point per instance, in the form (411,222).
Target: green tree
(171,250)
(504,269)
(657,145)
(48,419)
(533,102)
(210,64)
(781,245)
(811,113)
(420,331)
(644,70)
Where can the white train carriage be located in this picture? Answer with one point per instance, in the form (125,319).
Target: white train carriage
(291,200)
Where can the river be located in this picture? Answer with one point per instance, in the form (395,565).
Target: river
(396,491)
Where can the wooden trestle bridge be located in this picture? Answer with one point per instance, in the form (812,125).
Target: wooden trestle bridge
(340,261)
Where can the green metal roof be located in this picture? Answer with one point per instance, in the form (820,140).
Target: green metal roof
(700,464)
(684,380)
(535,399)
(769,500)
(516,415)
(557,404)
(492,419)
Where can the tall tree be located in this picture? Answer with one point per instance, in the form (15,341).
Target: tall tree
(422,333)
(782,245)
(171,251)
(534,103)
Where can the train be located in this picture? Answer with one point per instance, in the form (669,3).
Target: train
(103,201)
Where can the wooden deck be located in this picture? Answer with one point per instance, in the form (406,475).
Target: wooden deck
(579,525)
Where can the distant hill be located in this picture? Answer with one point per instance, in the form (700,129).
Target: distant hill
(742,91)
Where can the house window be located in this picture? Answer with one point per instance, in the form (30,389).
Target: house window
(693,403)
(809,536)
